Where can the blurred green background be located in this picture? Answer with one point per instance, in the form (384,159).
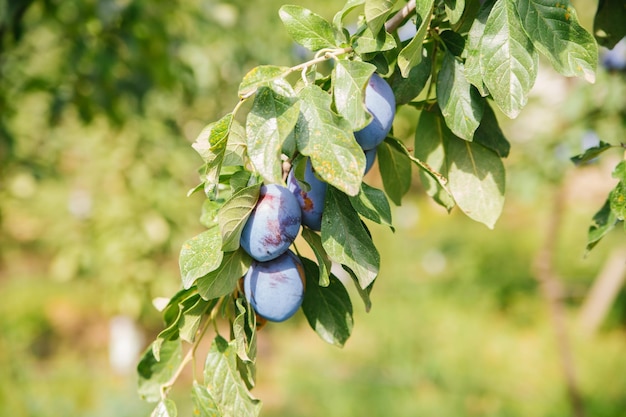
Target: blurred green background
(99,103)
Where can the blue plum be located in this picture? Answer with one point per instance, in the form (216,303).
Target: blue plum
(275,289)
(273,224)
(370,157)
(381,103)
(614,59)
(312,201)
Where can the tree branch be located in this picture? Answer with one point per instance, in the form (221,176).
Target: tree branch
(397,19)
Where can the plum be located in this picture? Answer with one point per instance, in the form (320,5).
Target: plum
(381,103)
(273,224)
(312,201)
(614,59)
(370,157)
(275,288)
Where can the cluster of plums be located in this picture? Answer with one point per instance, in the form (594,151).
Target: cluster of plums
(274,285)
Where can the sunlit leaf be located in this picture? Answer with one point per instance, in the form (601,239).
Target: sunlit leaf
(345,239)
(328,140)
(165,408)
(411,55)
(224,384)
(376,13)
(349,81)
(553,27)
(366,42)
(223,280)
(476,179)
(461,104)
(315,242)
(211,146)
(269,122)
(154,374)
(508,60)
(200,255)
(233,215)
(372,204)
(260,76)
(307,28)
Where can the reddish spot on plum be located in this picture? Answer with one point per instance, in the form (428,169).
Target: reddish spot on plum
(275,288)
(273,224)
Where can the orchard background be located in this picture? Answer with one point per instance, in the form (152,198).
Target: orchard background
(99,105)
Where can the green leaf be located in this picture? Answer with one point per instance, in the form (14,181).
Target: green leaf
(591,153)
(307,28)
(165,408)
(349,81)
(224,384)
(366,42)
(553,27)
(411,55)
(372,204)
(454,9)
(461,104)
(617,197)
(608,24)
(260,76)
(208,217)
(327,309)
(154,374)
(376,13)
(341,15)
(454,42)
(173,314)
(223,280)
(236,148)
(200,255)
(234,214)
(476,179)
(395,170)
(190,318)
(508,60)
(490,135)
(429,147)
(473,70)
(211,146)
(602,223)
(244,330)
(406,89)
(315,242)
(328,140)
(345,239)
(203,404)
(269,122)
(364,293)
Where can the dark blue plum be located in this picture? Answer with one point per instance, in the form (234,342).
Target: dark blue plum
(381,103)
(370,157)
(614,59)
(312,201)
(275,289)
(273,224)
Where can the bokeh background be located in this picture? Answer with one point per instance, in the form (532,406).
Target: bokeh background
(99,104)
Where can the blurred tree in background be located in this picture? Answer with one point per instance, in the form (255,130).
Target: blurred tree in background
(99,103)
